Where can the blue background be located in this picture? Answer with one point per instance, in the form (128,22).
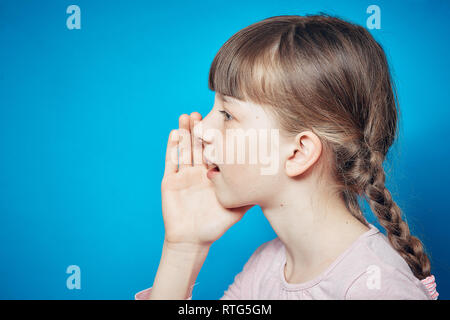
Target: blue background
(84,120)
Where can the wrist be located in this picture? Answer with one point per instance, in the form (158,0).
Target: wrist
(178,269)
(186,248)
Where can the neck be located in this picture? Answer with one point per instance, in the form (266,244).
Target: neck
(314,232)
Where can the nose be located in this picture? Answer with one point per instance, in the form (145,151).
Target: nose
(201,132)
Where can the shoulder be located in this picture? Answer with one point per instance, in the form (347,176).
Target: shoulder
(257,266)
(380,283)
(379,272)
(264,258)
(267,251)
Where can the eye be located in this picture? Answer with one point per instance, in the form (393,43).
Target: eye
(226,115)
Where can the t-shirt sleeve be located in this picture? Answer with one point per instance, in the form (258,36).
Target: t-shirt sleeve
(241,285)
(382,284)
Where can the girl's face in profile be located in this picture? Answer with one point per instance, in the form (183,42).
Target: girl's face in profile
(243,141)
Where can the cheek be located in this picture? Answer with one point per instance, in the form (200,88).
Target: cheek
(253,163)
(245,185)
(240,174)
(245,180)
(258,153)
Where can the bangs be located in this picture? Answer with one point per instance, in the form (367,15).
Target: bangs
(247,65)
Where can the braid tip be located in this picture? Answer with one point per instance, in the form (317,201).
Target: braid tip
(430,283)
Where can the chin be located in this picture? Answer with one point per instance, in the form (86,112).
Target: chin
(229,202)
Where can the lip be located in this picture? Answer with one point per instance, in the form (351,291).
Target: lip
(213,169)
(212,173)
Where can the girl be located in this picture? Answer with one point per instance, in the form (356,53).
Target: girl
(324,85)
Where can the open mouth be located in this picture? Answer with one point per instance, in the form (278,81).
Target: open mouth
(212,166)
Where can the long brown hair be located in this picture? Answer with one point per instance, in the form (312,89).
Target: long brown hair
(330,76)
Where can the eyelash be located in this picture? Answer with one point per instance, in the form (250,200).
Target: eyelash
(225,114)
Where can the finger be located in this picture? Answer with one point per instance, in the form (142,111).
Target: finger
(185,155)
(172,153)
(197,146)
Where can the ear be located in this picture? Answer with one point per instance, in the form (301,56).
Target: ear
(306,149)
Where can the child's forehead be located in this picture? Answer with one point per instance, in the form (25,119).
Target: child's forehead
(232,101)
(237,105)
(226,98)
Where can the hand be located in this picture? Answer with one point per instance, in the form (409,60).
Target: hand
(191,212)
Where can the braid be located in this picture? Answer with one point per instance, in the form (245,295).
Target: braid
(351,201)
(390,217)
(361,172)
(349,164)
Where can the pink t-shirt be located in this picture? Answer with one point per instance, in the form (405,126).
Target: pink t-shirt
(369,269)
